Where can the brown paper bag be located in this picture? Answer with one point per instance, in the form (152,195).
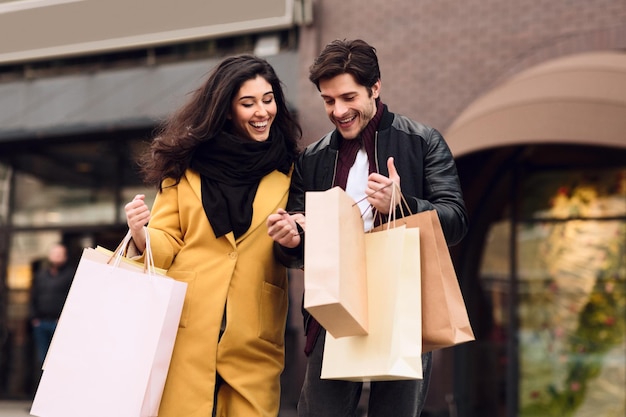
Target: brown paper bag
(392,349)
(111,350)
(445,321)
(335,283)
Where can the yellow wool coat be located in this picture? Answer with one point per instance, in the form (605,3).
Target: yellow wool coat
(238,277)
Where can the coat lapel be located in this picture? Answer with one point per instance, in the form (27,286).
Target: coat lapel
(273,188)
(194,180)
(272,191)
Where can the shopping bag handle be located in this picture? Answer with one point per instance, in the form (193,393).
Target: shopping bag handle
(148,263)
(392,204)
(369,195)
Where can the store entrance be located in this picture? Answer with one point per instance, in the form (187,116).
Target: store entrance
(544,274)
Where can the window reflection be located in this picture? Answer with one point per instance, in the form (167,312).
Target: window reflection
(571,286)
(41,204)
(571,314)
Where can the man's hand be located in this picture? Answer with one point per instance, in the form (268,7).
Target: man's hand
(381,191)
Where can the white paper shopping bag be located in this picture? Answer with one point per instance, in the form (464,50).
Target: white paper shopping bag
(392,349)
(112,347)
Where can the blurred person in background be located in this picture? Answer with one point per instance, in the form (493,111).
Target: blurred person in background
(49,290)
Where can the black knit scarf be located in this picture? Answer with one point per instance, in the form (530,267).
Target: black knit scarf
(231,169)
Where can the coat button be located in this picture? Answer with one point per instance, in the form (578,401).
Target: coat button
(233,255)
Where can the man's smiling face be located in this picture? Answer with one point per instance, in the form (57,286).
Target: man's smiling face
(349,105)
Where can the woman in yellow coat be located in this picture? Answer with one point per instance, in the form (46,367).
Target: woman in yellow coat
(222,165)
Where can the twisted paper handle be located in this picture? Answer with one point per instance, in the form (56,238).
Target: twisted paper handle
(120,252)
(392,204)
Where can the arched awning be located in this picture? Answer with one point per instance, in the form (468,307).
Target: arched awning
(579,99)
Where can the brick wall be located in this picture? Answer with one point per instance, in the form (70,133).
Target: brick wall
(437,56)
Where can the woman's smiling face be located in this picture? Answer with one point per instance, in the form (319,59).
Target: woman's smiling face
(253,109)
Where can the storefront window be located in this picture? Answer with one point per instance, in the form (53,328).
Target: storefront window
(572,311)
(571,285)
(496,286)
(39,204)
(46,213)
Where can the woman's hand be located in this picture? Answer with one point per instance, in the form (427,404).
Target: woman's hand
(137,216)
(281,226)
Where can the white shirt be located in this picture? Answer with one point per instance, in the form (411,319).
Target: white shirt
(356,185)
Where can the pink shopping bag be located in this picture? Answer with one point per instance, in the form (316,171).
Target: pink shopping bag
(112,347)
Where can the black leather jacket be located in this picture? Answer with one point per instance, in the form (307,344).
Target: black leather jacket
(428,175)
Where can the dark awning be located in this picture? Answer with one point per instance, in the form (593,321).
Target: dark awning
(109,100)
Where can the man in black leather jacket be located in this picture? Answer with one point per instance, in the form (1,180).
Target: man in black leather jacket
(369,148)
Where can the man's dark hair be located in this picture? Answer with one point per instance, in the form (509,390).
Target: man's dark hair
(355,57)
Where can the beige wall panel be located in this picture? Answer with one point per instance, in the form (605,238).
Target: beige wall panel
(33,29)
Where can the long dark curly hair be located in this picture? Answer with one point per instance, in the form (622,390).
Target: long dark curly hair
(205,114)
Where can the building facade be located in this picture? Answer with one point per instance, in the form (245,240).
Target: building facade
(530,96)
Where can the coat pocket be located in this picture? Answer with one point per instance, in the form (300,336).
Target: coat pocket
(273,314)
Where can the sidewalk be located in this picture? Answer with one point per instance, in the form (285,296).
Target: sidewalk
(14,408)
(22,409)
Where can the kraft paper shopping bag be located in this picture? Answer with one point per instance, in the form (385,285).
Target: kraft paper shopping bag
(112,347)
(392,348)
(335,278)
(445,321)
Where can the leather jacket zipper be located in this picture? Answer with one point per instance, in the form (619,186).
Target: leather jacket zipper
(332,184)
(376,151)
